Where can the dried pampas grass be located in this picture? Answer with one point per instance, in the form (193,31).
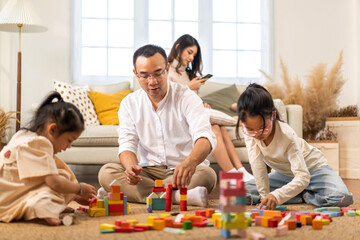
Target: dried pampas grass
(318,95)
(4,123)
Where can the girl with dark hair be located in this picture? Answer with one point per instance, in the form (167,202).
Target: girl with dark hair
(185,64)
(34,183)
(301,171)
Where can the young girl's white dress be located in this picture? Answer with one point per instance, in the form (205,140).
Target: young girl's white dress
(24,163)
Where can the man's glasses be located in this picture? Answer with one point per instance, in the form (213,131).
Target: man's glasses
(256,132)
(153,76)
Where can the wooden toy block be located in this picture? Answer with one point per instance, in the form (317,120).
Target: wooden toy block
(351,213)
(298,224)
(209,212)
(97,212)
(143,227)
(291,224)
(265,221)
(179,217)
(240,200)
(225,233)
(281,208)
(83,208)
(115,188)
(218,223)
(317,224)
(183,191)
(158,190)
(224,201)
(150,220)
(133,222)
(357,212)
(215,216)
(125,229)
(306,219)
(183,205)
(159,183)
(258,210)
(234,192)
(118,222)
(234,225)
(126,206)
(158,203)
(148,200)
(177,225)
(254,214)
(186,218)
(110,196)
(325,221)
(226,217)
(168,222)
(257,236)
(319,210)
(116,197)
(277,218)
(314,215)
(125,224)
(100,203)
(227,175)
(115,202)
(345,209)
(159,224)
(200,213)
(281,231)
(271,213)
(116,208)
(258,220)
(187,225)
(197,219)
(200,224)
(165,215)
(183,197)
(272,223)
(168,205)
(107,231)
(249,222)
(106,205)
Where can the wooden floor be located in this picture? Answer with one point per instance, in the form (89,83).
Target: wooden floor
(88,174)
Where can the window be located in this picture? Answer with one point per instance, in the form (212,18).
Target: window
(234,35)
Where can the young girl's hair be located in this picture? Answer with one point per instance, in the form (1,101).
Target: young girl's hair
(66,116)
(255,101)
(186,41)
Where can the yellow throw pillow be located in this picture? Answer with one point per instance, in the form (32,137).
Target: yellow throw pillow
(107,105)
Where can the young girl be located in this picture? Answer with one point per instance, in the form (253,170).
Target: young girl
(301,171)
(33,182)
(186,52)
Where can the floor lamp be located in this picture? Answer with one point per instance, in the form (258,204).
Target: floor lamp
(16,17)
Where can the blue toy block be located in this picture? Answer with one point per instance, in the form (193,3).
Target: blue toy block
(281,208)
(240,200)
(225,233)
(258,210)
(125,205)
(149,210)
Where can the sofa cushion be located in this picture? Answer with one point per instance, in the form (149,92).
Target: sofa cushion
(103,135)
(107,105)
(220,118)
(79,97)
(110,88)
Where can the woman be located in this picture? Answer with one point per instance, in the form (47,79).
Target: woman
(185,64)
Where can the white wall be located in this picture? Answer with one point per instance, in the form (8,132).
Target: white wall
(305,32)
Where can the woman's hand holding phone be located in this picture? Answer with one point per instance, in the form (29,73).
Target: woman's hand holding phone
(196,83)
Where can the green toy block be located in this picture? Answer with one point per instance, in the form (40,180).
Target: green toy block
(226,217)
(240,200)
(351,213)
(187,225)
(107,231)
(106,205)
(158,203)
(281,208)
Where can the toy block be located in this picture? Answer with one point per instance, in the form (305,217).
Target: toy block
(177,225)
(116,197)
(281,231)
(196,219)
(215,216)
(158,218)
(159,183)
(178,217)
(240,200)
(255,214)
(257,236)
(183,205)
(281,208)
(326,216)
(200,224)
(325,221)
(234,225)
(110,196)
(116,208)
(218,223)
(159,224)
(298,224)
(357,212)
(158,203)
(319,210)
(318,217)
(106,205)
(317,224)
(107,231)
(165,215)
(115,188)
(265,221)
(314,215)
(100,203)
(234,192)
(351,213)
(187,225)
(183,197)
(210,224)
(345,209)
(118,222)
(168,222)
(200,213)
(241,233)
(233,175)
(249,222)
(258,210)
(291,224)
(124,229)
(272,223)
(83,208)
(225,233)
(277,218)
(97,212)
(226,217)
(225,184)
(258,220)
(150,220)
(143,227)
(334,213)
(125,224)
(331,214)
(158,190)
(168,205)
(209,212)
(186,218)
(183,191)
(224,201)
(115,202)
(271,213)
(148,200)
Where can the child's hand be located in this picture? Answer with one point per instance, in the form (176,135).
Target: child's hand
(82,201)
(87,191)
(269,201)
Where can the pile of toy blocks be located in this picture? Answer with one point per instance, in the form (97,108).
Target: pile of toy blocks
(174,223)
(115,203)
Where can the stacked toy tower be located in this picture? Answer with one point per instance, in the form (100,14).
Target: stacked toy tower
(232,204)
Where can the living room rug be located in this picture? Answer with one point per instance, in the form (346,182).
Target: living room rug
(86,227)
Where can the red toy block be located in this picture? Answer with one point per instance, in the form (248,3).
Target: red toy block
(168,222)
(345,209)
(168,205)
(124,229)
(209,212)
(200,213)
(121,196)
(158,190)
(254,214)
(272,223)
(314,214)
(183,191)
(118,222)
(227,175)
(234,192)
(143,227)
(177,225)
(183,205)
(115,188)
(197,219)
(125,224)
(116,208)
(200,224)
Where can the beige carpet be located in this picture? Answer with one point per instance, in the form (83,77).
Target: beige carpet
(88,227)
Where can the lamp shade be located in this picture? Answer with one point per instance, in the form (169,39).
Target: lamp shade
(18,12)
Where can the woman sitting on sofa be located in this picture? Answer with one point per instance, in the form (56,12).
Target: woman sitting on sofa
(185,63)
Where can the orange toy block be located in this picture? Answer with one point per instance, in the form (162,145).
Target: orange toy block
(196,218)
(254,214)
(209,212)
(116,197)
(317,224)
(177,225)
(271,213)
(159,224)
(115,188)
(291,224)
(125,224)
(159,183)
(218,223)
(200,213)
(168,222)
(306,219)
(265,221)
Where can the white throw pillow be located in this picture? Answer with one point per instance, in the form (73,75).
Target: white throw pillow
(110,88)
(80,98)
(220,118)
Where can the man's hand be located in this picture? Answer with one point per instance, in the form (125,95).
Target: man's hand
(132,174)
(182,174)
(269,201)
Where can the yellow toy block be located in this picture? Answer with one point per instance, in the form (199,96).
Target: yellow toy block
(116,197)
(357,212)
(317,224)
(325,221)
(97,212)
(127,208)
(100,203)
(183,197)
(265,221)
(150,220)
(132,222)
(106,226)
(158,183)
(165,215)
(234,225)
(115,188)
(215,216)
(148,200)
(159,225)
(116,202)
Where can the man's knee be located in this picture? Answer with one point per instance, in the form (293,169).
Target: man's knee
(108,173)
(206,177)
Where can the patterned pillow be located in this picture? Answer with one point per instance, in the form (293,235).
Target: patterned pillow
(80,98)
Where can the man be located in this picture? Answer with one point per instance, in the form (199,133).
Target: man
(168,123)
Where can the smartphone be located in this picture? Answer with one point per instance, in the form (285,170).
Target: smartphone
(207,76)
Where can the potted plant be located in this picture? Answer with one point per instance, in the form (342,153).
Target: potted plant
(4,124)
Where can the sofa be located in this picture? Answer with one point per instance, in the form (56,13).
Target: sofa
(98,145)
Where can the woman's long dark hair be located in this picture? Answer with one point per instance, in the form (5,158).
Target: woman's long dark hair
(255,101)
(66,116)
(185,41)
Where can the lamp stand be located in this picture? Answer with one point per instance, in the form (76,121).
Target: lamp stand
(18,87)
